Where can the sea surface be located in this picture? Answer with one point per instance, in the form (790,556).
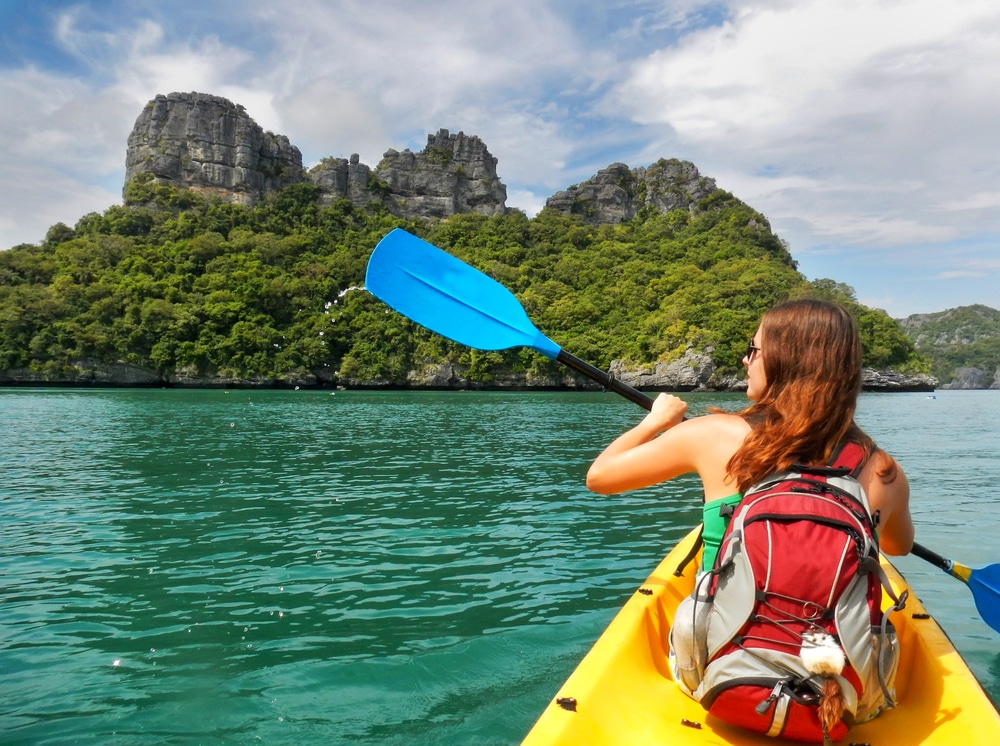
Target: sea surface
(299,567)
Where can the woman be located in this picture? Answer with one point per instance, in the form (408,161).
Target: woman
(803,379)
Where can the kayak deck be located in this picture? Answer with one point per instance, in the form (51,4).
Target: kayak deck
(622,692)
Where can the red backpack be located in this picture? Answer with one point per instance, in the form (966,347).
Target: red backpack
(785,634)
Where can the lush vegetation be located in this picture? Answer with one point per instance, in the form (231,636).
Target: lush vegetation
(965,337)
(177,282)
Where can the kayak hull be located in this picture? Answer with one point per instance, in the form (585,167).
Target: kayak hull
(622,692)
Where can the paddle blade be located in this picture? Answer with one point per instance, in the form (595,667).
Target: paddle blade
(449,297)
(985,586)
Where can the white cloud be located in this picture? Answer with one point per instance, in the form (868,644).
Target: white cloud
(364,77)
(43,197)
(977,201)
(525,200)
(779,69)
(61,123)
(954,274)
(866,112)
(61,138)
(327,119)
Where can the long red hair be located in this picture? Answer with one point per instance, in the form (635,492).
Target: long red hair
(811,352)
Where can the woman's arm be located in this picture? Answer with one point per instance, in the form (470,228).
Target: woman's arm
(665,445)
(889,494)
(634,459)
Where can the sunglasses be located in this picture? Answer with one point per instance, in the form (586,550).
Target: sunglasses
(752,349)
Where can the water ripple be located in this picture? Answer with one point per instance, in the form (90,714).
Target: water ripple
(358,568)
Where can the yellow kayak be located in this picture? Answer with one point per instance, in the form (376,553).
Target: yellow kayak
(622,693)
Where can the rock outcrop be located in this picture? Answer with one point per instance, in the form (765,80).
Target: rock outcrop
(694,371)
(452,174)
(875,380)
(340,178)
(210,145)
(83,373)
(618,193)
(965,379)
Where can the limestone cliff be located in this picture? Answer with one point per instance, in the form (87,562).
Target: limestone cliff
(338,178)
(618,193)
(210,145)
(452,174)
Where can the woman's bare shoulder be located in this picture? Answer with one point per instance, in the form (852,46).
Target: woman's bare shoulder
(881,467)
(889,496)
(717,433)
(722,424)
(712,442)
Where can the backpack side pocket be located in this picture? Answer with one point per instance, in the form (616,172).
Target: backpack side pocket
(688,636)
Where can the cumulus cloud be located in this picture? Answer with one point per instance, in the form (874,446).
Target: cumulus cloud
(47,196)
(327,119)
(834,99)
(364,77)
(62,138)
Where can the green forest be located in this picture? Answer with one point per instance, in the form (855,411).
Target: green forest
(175,281)
(964,337)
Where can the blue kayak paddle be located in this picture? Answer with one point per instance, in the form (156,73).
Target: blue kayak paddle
(447,296)
(983,582)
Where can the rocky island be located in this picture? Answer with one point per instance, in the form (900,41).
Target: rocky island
(209,146)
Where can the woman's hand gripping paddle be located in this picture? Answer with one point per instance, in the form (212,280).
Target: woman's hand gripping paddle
(449,297)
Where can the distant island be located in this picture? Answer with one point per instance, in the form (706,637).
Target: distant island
(963,344)
(229,264)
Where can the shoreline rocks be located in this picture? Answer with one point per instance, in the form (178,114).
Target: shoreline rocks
(694,372)
(874,380)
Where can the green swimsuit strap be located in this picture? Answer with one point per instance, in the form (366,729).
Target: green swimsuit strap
(715,522)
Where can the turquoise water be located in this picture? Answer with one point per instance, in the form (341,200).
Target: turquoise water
(369,568)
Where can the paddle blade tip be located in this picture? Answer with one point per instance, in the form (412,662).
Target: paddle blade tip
(444,294)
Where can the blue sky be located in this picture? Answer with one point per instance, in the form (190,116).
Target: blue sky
(865,130)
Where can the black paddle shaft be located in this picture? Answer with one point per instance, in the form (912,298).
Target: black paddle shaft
(933,557)
(607,380)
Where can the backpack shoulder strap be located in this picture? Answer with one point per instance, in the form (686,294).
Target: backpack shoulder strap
(849,455)
(679,572)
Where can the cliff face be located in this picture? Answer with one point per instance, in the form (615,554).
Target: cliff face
(454,173)
(338,178)
(210,145)
(618,193)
